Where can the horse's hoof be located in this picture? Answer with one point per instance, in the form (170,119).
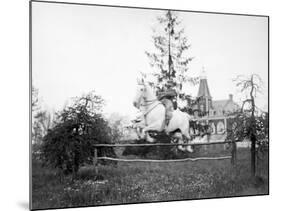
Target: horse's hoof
(150,140)
(174,140)
(189,149)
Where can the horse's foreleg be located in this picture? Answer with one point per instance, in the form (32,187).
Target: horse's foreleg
(139,129)
(156,126)
(139,133)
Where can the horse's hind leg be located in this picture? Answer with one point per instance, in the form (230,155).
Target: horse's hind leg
(186,135)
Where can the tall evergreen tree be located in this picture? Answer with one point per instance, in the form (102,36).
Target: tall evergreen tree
(170,60)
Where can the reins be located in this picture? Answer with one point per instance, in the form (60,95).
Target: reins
(147,103)
(152,108)
(150,102)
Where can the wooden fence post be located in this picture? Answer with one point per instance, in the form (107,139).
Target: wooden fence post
(96,161)
(233,152)
(253,156)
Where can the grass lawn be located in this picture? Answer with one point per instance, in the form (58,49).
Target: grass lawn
(147,182)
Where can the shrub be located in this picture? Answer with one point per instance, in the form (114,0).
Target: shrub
(69,144)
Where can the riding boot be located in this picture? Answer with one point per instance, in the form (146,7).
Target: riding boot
(167,122)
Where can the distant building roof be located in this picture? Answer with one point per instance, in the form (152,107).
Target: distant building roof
(205,103)
(225,105)
(219,103)
(203,88)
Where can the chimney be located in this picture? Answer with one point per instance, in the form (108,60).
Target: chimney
(231,97)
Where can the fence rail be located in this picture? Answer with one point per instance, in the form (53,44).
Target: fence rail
(232,156)
(164,144)
(163,161)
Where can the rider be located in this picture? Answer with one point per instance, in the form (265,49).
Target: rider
(168,98)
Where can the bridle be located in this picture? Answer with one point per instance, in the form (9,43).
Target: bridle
(148,103)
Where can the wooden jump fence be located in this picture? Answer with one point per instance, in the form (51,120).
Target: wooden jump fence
(232,156)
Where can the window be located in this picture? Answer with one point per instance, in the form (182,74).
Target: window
(220,127)
(201,107)
(213,128)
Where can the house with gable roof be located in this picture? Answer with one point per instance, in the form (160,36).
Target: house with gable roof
(206,110)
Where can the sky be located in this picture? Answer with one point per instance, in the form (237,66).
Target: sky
(77,48)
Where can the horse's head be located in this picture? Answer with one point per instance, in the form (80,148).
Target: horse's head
(144,94)
(140,93)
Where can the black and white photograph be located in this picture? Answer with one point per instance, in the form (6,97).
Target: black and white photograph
(141,105)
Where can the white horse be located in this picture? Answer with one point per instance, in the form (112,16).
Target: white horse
(153,117)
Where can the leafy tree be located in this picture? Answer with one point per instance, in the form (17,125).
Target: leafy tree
(36,129)
(170,60)
(69,144)
(43,121)
(34,100)
(117,124)
(249,123)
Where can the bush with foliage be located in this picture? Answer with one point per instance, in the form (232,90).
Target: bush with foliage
(249,123)
(242,127)
(69,144)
